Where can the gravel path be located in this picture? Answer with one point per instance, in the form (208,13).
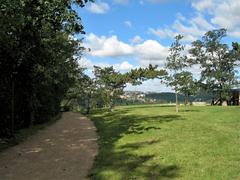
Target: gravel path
(62,151)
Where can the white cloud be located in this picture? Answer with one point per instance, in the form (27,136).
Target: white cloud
(202,5)
(191,29)
(124,66)
(151,52)
(107,46)
(227,15)
(98,7)
(200,22)
(162,33)
(128,24)
(147,52)
(136,40)
(223,14)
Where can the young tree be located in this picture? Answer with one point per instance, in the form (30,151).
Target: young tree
(176,61)
(185,84)
(111,81)
(217,63)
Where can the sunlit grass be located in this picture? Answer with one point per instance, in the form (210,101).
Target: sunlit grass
(153,142)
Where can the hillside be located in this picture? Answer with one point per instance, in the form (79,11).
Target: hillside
(168,97)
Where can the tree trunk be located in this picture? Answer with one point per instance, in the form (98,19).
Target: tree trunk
(185,102)
(111,104)
(177,109)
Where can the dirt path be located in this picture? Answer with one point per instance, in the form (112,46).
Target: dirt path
(63,151)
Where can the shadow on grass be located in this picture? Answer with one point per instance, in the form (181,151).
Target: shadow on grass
(111,127)
(189,110)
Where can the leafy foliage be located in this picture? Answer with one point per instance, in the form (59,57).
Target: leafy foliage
(176,61)
(36,59)
(217,63)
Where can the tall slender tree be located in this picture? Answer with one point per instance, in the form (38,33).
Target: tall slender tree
(176,61)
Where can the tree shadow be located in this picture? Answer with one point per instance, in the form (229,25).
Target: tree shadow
(189,110)
(111,126)
(139,129)
(130,165)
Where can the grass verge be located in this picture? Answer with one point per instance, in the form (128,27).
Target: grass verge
(153,142)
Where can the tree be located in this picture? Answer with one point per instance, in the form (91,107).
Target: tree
(36,59)
(176,61)
(184,84)
(138,75)
(217,63)
(111,82)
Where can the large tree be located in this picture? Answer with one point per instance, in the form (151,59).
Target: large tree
(36,59)
(217,62)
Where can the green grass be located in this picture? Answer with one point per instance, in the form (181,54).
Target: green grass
(154,142)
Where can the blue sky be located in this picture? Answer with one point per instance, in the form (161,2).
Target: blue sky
(133,33)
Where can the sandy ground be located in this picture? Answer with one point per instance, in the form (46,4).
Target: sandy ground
(63,151)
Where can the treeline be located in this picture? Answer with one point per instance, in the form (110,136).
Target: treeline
(36,59)
(169,97)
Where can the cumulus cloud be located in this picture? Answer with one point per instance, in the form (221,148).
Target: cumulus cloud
(107,46)
(147,52)
(98,7)
(87,63)
(151,52)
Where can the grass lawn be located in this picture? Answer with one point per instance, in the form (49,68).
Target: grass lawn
(154,142)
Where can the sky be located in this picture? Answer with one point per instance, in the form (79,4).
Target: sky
(129,34)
